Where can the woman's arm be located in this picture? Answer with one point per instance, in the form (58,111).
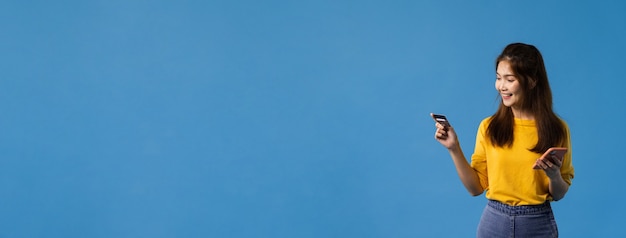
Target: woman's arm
(447,137)
(466,173)
(557,186)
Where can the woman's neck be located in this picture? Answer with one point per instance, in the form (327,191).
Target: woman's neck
(524,115)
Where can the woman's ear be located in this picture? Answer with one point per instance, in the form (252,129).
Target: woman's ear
(533,83)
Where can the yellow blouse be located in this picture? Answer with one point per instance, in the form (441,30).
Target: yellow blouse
(507,174)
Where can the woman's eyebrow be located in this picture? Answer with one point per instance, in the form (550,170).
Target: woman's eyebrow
(506,75)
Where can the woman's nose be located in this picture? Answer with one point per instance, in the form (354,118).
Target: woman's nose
(500,87)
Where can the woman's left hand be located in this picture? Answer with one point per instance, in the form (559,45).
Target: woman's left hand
(551,166)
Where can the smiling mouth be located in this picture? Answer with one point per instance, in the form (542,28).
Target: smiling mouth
(507,94)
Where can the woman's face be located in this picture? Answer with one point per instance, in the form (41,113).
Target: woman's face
(508,85)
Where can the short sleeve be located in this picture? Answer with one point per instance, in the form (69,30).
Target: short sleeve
(479,158)
(567,168)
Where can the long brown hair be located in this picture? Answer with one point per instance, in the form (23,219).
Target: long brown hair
(527,65)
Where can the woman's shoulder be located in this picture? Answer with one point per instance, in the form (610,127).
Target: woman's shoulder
(486,120)
(484,123)
(562,120)
(564,123)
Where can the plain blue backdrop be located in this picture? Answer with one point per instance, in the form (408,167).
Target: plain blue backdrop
(286,118)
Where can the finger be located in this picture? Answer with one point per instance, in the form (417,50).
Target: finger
(442,132)
(552,162)
(557,162)
(438,130)
(541,164)
(440,126)
(440,135)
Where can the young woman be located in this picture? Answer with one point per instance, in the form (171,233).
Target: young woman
(509,144)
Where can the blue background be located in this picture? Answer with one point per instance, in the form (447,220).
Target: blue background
(286,118)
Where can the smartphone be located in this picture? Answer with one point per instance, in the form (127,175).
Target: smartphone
(441,119)
(559,152)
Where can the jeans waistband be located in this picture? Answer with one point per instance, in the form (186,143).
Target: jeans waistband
(520,210)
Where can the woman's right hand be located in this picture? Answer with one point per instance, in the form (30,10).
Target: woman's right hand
(446,136)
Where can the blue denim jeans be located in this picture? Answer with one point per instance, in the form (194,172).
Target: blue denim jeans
(501,220)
